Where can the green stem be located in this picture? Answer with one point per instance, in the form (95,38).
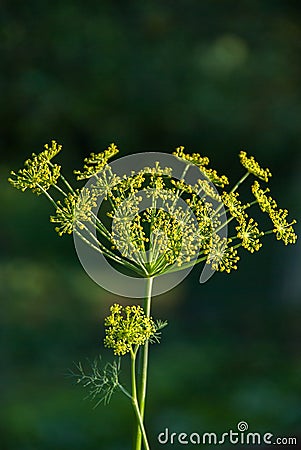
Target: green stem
(60,190)
(141,426)
(125,392)
(240,182)
(48,196)
(268,232)
(224,224)
(64,180)
(142,393)
(135,404)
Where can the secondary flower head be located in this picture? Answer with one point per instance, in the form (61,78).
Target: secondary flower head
(128,327)
(253,167)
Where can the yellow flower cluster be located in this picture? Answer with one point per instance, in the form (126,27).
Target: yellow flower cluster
(157,189)
(235,207)
(96,162)
(208,219)
(155,177)
(77,208)
(39,174)
(249,234)
(202,162)
(50,152)
(266,203)
(208,190)
(157,170)
(175,236)
(126,328)
(247,230)
(218,180)
(182,186)
(221,256)
(282,228)
(253,166)
(181,224)
(128,235)
(129,185)
(106,183)
(194,158)
(284,231)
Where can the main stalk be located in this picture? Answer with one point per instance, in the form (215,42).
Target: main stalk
(143,380)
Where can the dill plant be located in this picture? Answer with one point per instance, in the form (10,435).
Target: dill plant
(165,237)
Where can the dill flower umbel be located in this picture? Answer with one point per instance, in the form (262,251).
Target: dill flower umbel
(152,240)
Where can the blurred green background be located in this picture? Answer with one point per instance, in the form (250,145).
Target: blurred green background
(215,77)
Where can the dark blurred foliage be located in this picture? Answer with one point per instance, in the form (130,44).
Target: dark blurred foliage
(212,76)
